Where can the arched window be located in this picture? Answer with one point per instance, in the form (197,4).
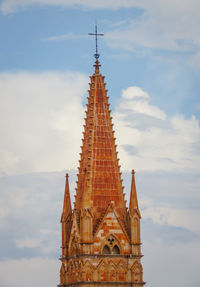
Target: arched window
(106,250)
(111,246)
(115,250)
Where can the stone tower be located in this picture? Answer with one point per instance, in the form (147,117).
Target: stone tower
(101,243)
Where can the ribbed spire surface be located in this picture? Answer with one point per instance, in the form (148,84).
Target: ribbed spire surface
(98,154)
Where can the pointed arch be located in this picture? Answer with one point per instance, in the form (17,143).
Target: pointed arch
(115,250)
(106,250)
(86,225)
(136,264)
(88,271)
(122,274)
(74,234)
(74,250)
(102,271)
(136,272)
(112,272)
(122,271)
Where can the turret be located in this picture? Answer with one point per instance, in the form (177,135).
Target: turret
(67,209)
(66,218)
(134,214)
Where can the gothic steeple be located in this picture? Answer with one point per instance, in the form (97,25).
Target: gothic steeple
(99,155)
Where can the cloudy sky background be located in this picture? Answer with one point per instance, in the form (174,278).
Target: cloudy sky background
(150,55)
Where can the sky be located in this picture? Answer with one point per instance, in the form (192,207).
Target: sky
(150,56)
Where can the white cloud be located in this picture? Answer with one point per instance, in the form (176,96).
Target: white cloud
(195,60)
(29,272)
(68,36)
(186,218)
(136,100)
(41,120)
(171,265)
(134,92)
(31,206)
(8,6)
(168,25)
(27,243)
(148,140)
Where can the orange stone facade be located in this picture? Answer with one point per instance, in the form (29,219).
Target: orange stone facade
(101,243)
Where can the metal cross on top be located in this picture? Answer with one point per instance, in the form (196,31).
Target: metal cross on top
(96,55)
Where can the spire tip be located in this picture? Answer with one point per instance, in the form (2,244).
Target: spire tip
(96,55)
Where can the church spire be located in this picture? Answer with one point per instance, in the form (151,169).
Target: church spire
(99,155)
(100,238)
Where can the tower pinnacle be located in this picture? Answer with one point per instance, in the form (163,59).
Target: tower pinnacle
(133,204)
(67,209)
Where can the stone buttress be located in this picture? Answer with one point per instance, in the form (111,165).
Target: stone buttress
(101,243)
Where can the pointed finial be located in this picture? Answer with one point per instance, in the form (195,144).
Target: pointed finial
(133,204)
(67,209)
(96,55)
